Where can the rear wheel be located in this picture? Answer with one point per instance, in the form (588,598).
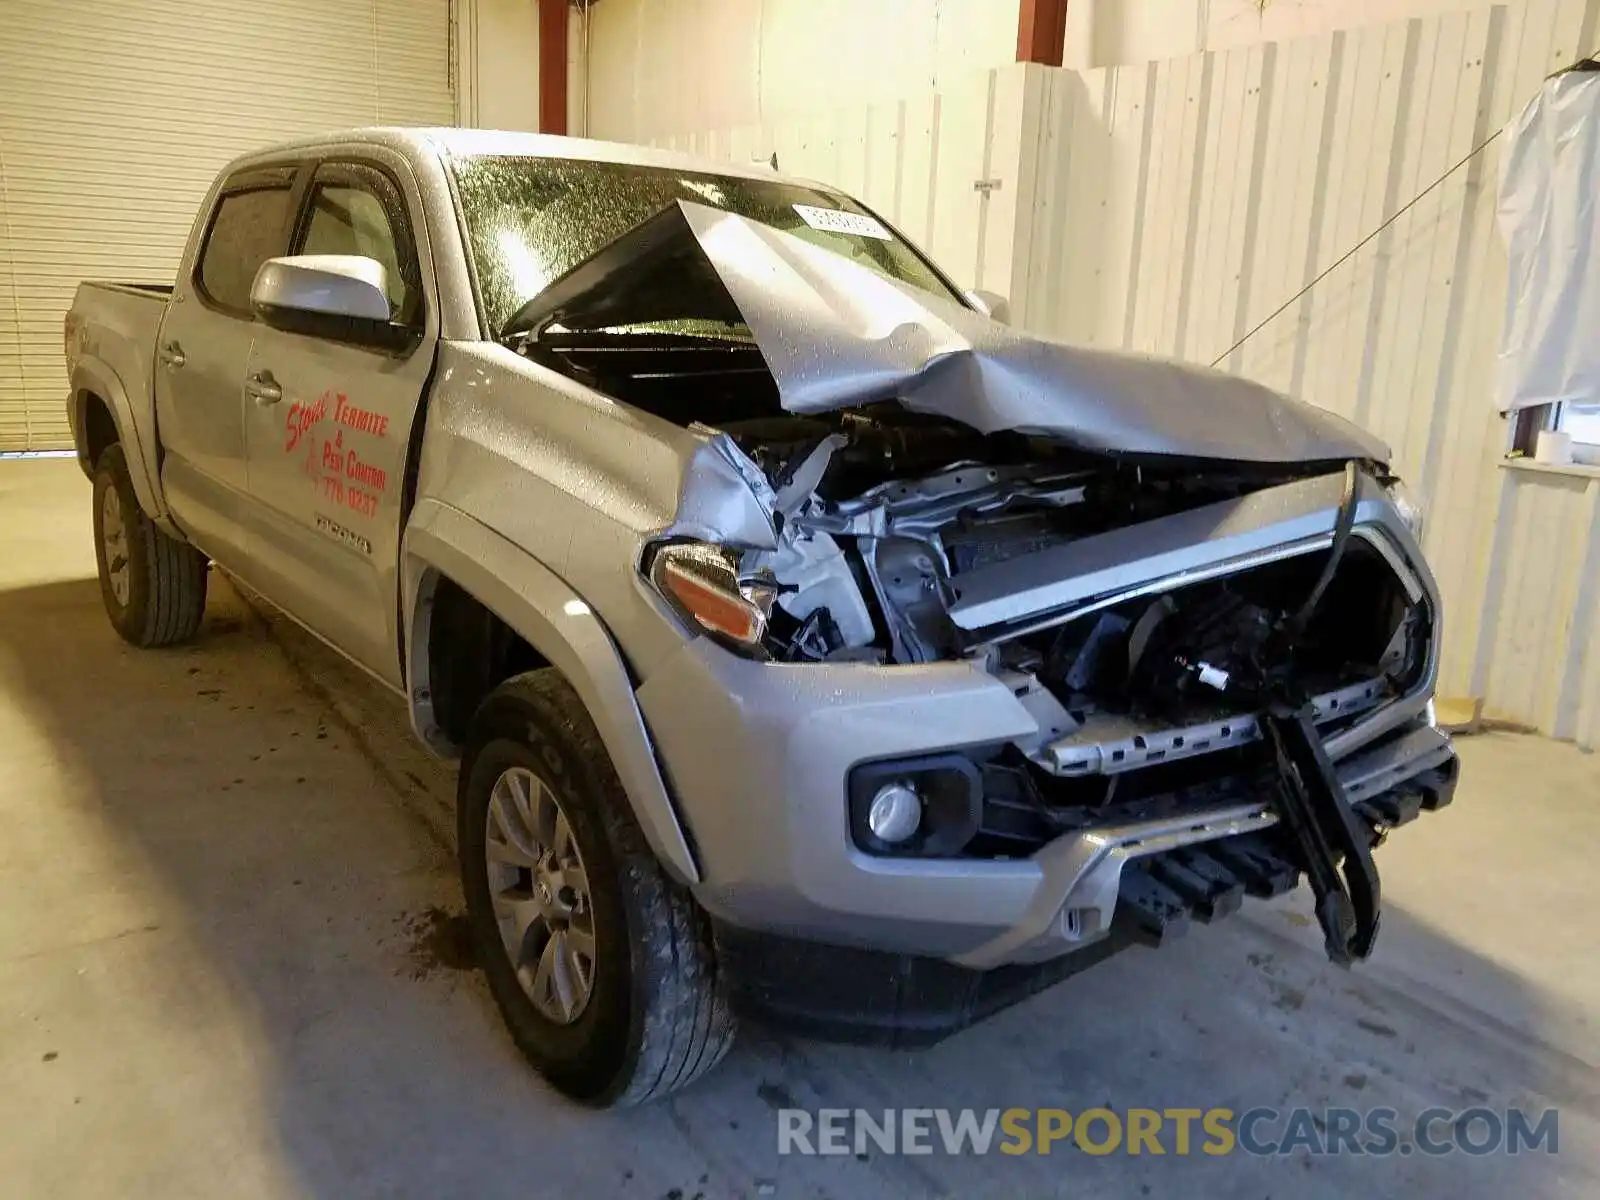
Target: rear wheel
(601,965)
(153,585)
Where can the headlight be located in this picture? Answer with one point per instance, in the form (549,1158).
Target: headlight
(1408,506)
(701,582)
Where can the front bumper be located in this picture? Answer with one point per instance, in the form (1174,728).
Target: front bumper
(758,755)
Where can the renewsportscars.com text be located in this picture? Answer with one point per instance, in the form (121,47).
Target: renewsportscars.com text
(1261,1132)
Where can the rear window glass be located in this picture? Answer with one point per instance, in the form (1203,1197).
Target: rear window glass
(247,230)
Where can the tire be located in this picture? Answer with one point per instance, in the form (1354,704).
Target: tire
(153,585)
(656,1016)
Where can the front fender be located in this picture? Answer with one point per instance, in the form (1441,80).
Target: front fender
(556,622)
(94,375)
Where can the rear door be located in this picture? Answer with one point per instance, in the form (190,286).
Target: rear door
(200,357)
(328,423)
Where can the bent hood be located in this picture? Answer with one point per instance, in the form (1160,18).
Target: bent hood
(835,334)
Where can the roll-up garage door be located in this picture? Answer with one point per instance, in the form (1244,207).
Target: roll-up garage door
(116,114)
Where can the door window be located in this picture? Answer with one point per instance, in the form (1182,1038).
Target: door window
(246,230)
(354,216)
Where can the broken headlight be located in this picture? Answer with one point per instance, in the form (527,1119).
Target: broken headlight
(1407,506)
(701,583)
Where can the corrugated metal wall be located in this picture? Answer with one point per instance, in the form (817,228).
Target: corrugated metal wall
(1537,658)
(1171,207)
(1176,205)
(665,66)
(921,162)
(114,118)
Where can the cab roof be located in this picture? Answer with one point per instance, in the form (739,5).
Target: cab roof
(453,142)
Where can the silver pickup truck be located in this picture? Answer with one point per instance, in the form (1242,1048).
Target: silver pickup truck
(813,644)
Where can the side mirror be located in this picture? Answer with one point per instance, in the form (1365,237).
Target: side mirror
(991,304)
(343,297)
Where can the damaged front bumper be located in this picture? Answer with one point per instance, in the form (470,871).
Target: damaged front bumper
(767,760)
(760,755)
(828,937)
(1156,874)
(838,943)
(1148,821)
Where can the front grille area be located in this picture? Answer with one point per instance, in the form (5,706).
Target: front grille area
(1024,807)
(1139,730)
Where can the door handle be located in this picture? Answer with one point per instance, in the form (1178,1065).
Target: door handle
(172,356)
(263,388)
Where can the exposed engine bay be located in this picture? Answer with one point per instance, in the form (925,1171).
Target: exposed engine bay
(883,515)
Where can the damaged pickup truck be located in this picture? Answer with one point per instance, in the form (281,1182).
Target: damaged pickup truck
(813,644)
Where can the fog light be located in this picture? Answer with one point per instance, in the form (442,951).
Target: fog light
(895,813)
(929,805)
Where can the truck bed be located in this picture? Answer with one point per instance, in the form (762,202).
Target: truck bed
(160,290)
(111,333)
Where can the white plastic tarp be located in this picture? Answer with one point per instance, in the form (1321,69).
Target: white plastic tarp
(1549,213)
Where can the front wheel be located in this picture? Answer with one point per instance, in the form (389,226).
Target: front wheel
(153,585)
(601,965)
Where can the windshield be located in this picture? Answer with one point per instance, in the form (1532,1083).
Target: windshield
(530,220)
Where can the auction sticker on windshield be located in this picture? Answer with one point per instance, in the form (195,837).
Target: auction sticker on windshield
(835,220)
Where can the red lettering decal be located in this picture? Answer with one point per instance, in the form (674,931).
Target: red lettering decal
(361,502)
(300,419)
(363,472)
(360,420)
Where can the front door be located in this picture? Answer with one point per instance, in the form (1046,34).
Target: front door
(328,423)
(201,354)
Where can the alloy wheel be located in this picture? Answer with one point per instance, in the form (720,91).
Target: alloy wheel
(540,892)
(114,537)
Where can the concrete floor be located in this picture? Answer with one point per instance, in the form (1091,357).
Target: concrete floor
(227,962)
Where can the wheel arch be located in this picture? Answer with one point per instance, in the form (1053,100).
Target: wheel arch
(96,387)
(444,547)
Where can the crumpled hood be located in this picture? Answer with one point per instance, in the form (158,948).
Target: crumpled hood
(835,334)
